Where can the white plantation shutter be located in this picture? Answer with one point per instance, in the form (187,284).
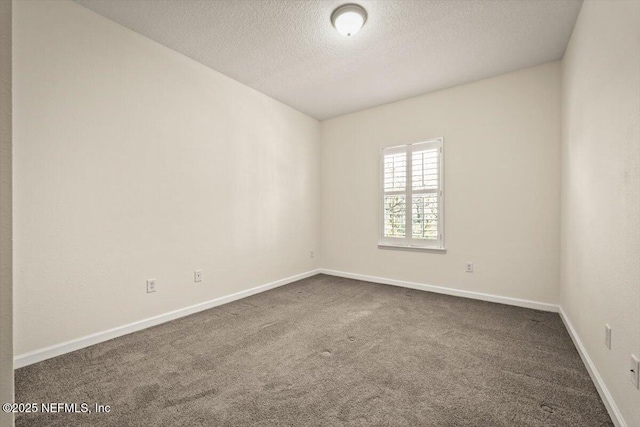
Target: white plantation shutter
(395,202)
(412,199)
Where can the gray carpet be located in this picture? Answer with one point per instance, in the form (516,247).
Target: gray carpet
(327,351)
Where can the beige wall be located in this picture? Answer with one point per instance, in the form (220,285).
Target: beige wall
(133,162)
(6,279)
(502,149)
(601,191)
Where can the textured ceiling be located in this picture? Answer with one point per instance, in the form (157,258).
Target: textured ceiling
(288,49)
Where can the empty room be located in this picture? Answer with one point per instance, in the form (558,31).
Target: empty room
(320,213)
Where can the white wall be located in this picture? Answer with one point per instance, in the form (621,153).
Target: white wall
(601,191)
(134,162)
(502,149)
(6,276)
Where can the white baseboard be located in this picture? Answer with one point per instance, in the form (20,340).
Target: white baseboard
(543,306)
(609,403)
(39,355)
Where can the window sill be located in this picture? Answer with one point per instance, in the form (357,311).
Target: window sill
(411,248)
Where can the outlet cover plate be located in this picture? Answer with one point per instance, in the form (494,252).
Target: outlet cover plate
(634,371)
(151,285)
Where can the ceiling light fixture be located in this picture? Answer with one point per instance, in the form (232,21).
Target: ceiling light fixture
(348,19)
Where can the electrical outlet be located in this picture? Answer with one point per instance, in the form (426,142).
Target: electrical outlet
(311,254)
(151,285)
(607,336)
(468,267)
(635,371)
(197,276)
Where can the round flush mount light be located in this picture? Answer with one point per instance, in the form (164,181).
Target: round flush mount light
(348,19)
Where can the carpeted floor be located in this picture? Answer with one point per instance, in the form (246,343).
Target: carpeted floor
(327,351)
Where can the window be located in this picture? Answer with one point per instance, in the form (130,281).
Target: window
(413,196)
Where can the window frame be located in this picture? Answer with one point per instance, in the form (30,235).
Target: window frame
(408,242)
